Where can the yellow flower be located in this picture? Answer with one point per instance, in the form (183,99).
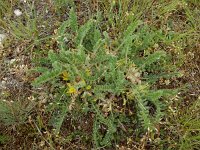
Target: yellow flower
(106,46)
(71,90)
(65,76)
(88,87)
(88,72)
(83,82)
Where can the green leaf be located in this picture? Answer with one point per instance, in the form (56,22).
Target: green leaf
(153,58)
(53,57)
(132,27)
(73,20)
(82,32)
(47,76)
(58,118)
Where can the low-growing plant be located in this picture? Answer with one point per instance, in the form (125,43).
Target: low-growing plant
(15,112)
(62,4)
(3,139)
(188,125)
(107,77)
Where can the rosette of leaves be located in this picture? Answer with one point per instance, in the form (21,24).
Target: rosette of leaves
(100,74)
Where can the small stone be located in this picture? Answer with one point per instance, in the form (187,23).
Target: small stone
(12,61)
(17,12)
(2,37)
(23,1)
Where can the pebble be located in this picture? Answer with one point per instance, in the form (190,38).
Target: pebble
(2,37)
(17,12)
